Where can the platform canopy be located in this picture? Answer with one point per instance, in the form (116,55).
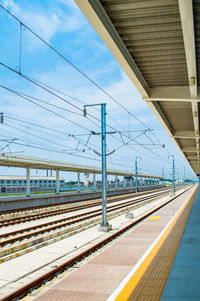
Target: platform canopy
(38,163)
(157,43)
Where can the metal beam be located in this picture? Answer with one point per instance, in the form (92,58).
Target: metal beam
(189,149)
(192,158)
(185,134)
(187,22)
(172,93)
(163,120)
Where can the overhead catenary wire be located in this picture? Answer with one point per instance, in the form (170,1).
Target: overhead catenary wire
(76,68)
(54,130)
(117,155)
(63,145)
(73,98)
(58,151)
(47,128)
(32,146)
(30,100)
(32,140)
(11,69)
(42,138)
(127,136)
(77,107)
(42,147)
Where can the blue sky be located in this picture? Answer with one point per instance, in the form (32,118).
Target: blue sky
(64,27)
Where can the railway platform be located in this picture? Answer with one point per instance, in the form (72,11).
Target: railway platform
(183,282)
(137,266)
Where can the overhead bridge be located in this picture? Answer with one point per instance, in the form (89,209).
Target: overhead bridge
(157,45)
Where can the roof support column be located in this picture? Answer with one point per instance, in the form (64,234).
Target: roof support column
(28,190)
(78,180)
(124,182)
(116,182)
(57,182)
(94,181)
(131,182)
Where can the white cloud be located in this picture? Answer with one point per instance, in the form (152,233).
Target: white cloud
(10,4)
(46,23)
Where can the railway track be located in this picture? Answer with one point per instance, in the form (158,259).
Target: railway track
(4,222)
(58,270)
(54,225)
(17,243)
(49,207)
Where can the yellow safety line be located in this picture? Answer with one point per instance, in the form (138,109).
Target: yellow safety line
(154,218)
(131,284)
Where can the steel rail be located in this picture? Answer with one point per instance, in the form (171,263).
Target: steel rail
(77,201)
(25,218)
(78,218)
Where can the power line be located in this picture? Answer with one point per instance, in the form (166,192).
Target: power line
(54,130)
(57,151)
(24,76)
(26,98)
(75,67)
(51,130)
(42,138)
(41,147)
(73,98)
(127,136)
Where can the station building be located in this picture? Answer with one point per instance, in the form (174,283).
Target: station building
(40,182)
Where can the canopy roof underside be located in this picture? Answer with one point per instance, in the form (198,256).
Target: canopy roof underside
(157,43)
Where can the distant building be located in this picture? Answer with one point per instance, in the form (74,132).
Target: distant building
(40,182)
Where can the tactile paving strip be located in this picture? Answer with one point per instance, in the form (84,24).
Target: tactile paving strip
(153,281)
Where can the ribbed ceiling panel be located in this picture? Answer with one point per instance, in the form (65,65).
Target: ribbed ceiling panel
(151,30)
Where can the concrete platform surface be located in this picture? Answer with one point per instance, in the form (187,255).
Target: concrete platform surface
(184,278)
(98,278)
(37,262)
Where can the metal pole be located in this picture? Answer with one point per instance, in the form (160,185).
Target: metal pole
(163,175)
(104,222)
(174,190)
(173,174)
(78,178)
(57,182)
(124,182)
(184,177)
(116,183)
(94,181)
(136,174)
(28,190)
